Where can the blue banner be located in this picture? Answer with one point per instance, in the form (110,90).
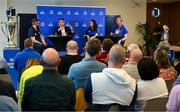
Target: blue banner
(9,55)
(77,18)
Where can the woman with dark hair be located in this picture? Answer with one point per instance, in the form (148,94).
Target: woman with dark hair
(150,86)
(92,31)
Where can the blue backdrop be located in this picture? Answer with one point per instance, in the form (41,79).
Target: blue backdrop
(76,18)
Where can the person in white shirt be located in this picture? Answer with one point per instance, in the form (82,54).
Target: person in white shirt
(150,86)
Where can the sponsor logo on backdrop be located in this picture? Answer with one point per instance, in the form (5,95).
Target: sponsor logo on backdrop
(42,12)
(50,24)
(42,24)
(60,12)
(68,24)
(68,12)
(76,13)
(100,25)
(100,13)
(84,25)
(92,13)
(84,13)
(76,24)
(51,12)
(76,36)
(101,34)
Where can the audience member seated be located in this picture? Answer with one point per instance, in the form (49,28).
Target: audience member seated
(22,57)
(130,48)
(71,57)
(166,46)
(6,88)
(79,72)
(111,86)
(33,68)
(177,68)
(106,46)
(150,86)
(3,66)
(173,103)
(3,70)
(8,104)
(49,91)
(162,60)
(131,66)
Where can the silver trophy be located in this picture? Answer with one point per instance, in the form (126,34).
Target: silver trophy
(9,30)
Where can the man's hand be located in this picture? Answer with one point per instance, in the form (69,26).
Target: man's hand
(44,43)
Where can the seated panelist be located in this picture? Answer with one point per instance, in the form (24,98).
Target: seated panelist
(92,31)
(62,30)
(120,30)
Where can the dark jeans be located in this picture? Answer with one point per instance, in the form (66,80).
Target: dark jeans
(38,48)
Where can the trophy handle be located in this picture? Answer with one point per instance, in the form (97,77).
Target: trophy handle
(4,31)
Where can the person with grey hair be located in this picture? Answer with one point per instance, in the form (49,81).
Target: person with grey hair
(164,45)
(70,58)
(130,48)
(131,66)
(111,86)
(3,66)
(49,91)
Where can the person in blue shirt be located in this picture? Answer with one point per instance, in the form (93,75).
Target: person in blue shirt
(120,30)
(22,57)
(92,31)
(35,35)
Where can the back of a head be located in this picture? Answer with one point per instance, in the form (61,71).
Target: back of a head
(131,47)
(117,54)
(50,58)
(148,69)
(164,45)
(136,55)
(161,58)
(3,63)
(72,45)
(107,44)
(28,43)
(93,46)
(31,62)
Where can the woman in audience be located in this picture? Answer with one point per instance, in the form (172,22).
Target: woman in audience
(33,68)
(162,60)
(174,97)
(150,86)
(106,46)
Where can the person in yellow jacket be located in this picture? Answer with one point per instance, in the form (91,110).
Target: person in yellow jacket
(27,74)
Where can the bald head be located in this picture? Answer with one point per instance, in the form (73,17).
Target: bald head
(136,55)
(117,55)
(50,58)
(131,47)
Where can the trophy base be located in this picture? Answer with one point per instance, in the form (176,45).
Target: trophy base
(10,45)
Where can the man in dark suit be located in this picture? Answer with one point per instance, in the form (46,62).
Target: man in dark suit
(62,30)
